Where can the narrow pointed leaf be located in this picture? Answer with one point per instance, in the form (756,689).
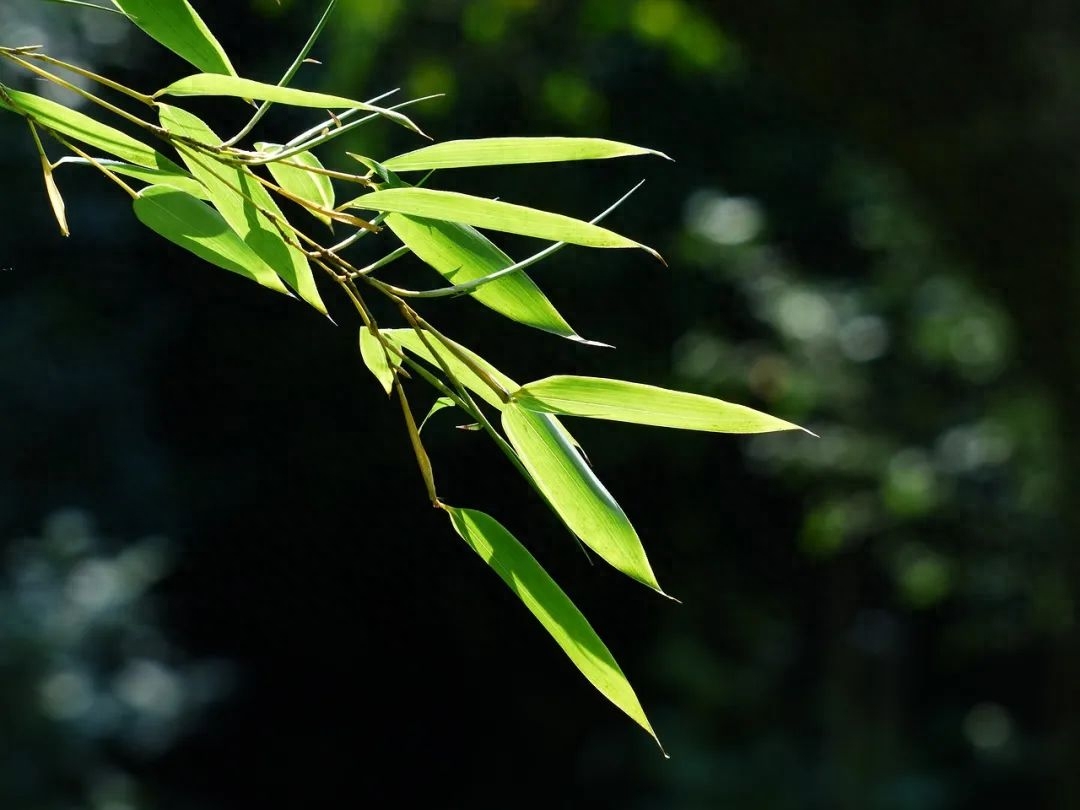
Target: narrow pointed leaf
(174,24)
(508,151)
(81,127)
(440,404)
(575,493)
(210,84)
(621,401)
(294,176)
(550,605)
(193,225)
(461,253)
(245,204)
(374,355)
(162,177)
(56,200)
(494,215)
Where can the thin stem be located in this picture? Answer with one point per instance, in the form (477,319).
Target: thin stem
(293,68)
(96,164)
(335,120)
(94,77)
(385,260)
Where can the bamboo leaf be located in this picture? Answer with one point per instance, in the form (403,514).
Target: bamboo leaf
(87,130)
(436,406)
(174,24)
(508,151)
(245,204)
(575,493)
(211,84)
(621,401)
(193,225)
(374,355)
(163,177)
(294,176)
(56,200)
(460,253)
(551,606)
(494,215)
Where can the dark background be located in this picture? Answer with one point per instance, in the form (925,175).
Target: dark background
(870,227)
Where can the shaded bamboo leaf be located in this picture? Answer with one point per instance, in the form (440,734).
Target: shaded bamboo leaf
(193,225)
(294,176)
(551,607)
(81,127)
(212,84)
(575,493)
(494,215)
(460,253)
(174,24)
(621,401)
(509,151)
(245,204)
(438,405)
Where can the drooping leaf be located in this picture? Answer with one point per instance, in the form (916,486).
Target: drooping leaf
(621,401)
(162,177)
(494,215)
(295,175)
(56,200)
(211,84)
(193,225)
(461,253)
(174,24)
(438,405)
(550,605)
(87,130)
(509,151)
(575,493)
(245,204)
(375,358)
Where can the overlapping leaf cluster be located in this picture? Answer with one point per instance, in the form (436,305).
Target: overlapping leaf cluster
(221,201)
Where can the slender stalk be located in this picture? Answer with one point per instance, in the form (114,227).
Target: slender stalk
(336,119)
(96,164)
(94,77)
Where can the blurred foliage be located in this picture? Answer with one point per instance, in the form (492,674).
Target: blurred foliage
(870,619)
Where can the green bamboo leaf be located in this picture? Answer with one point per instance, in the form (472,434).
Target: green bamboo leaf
(461,253)
(508,151)
(81,127)
(211,84)
(551,606)
(294,176)
(174,24)
(374,355)
(195,226)
(161,177)
(621,401)
(408,339)
(438,405)
(245,204)
(575,493)
(494,215)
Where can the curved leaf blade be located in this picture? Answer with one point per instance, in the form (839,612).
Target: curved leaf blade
(551,607)
(575,493)
(622,401)
(160,177)
(174,24)
(81,127)
(245,204)
(375,358)
(193,225)
(512,151)
(212,84)
(295,175)
(460,253)
(493,215)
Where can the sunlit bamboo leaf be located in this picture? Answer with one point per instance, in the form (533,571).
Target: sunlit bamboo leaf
(494,215)
(295,176)
(163,177)
(575,493)
(461,253)
(87,130)
(245,204)
(210,84)
(621,401)
(508,151)
(551,606)
(195,226)
(375,358)
(174,24)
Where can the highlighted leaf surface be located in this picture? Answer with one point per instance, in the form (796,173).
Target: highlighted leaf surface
(550,605)
(175,25)
(621,401)
(508,151)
